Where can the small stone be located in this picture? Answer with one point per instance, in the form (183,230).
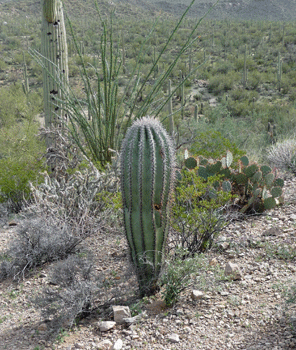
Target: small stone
(293,217)
(104,345)
(173,338)
(224,294)
(273,231)
(117,345)
(196,294)
(42,327)
(232,270)
(213,262)
(131,320)
(224,245)
(105,326)
(120,313)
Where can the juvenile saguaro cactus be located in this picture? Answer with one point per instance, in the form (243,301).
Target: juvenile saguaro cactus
(25,84)
(147,180)
(279,71)
(55,61)
(245,71)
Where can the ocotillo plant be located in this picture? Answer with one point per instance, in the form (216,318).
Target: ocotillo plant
(55,62)
(123,52)
(182,100)
(170,109)
(147,179)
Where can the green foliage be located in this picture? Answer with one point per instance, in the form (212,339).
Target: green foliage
(211,144)
(16,107)
(177,275)
(222,83)
(197,214)
(19,163)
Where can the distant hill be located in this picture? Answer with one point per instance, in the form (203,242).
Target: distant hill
(278,10)
(275,10)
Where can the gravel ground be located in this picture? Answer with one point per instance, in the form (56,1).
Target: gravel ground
(248,313)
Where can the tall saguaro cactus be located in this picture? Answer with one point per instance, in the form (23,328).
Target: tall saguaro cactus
(55,61)
(147,179)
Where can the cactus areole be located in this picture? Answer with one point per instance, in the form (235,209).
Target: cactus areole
(147,180)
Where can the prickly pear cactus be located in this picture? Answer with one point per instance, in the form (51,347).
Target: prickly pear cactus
(55,62)
(147,181)
(255,186)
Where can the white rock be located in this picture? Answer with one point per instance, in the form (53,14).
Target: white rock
(120,313)
(105,326)
(117,345)
(173,338)
(233,271)
(196,294)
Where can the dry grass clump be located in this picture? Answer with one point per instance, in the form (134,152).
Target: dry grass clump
(283,155)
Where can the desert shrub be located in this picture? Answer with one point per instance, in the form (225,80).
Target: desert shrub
(73,70)
(239,63)
(197,212)
(3,65)
(20,163)
(223,68)
(176,275)
(16,107)
(211,144)
(75,191)
(38,241)
(73,294)
(283,155)
(239,108)
(15,178)
(221,83)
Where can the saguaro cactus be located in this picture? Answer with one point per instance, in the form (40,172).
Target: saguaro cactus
(55,62)
(279,71)
(245,71)
(147,178)
(25,84)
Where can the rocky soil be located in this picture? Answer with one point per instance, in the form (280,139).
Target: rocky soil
(213,312)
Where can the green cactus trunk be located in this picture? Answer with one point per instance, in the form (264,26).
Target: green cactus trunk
(147,180)
(55,62)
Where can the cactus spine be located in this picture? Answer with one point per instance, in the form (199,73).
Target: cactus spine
(55,62)
(147,178)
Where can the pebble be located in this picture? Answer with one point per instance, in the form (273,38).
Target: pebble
(105,326)
(117,345)
(174,338)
